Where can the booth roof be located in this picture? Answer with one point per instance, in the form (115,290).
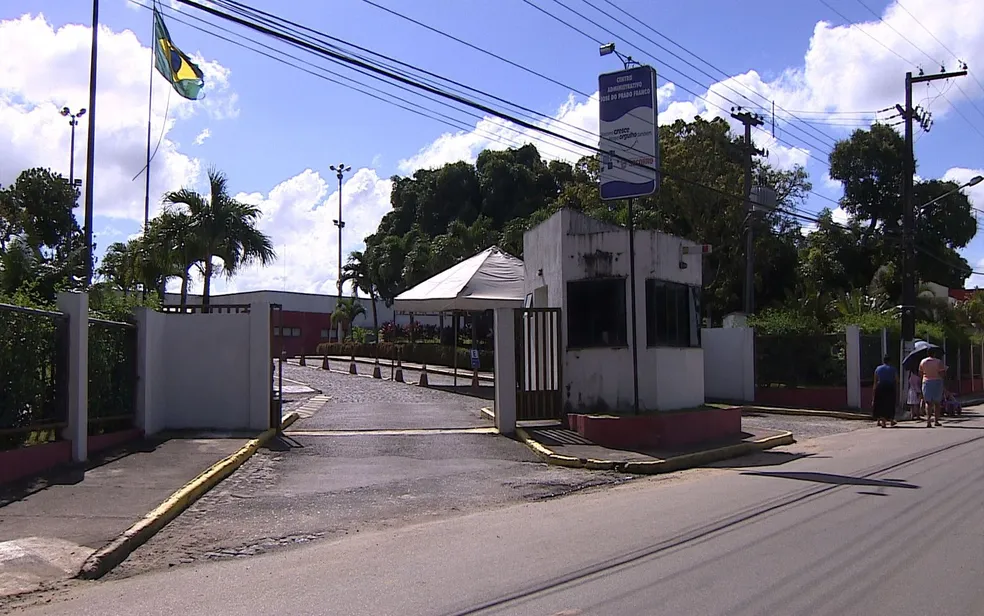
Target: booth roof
(491,279)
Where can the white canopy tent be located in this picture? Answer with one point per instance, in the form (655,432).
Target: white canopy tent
(491,279)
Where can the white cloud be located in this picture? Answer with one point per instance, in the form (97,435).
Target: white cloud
(839,215)
(202,136)
(961,175)
(31,93)
(297,215)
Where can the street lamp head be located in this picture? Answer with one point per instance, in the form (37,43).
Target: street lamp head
(65,111)
(80,113)
(606,50)
(974,181)
(333,168)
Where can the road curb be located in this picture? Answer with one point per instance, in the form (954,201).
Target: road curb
(806,413)
(654,467)
(103,560)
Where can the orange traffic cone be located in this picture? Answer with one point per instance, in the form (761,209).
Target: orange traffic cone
(422,382)
(398,376)
(352,368)
(376,372)
(302,361)
(475,384)
(324,364)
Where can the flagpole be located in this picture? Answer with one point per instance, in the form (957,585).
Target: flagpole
(90,154)
(150,111)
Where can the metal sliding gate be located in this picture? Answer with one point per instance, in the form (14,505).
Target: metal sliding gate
(538,364)
(276,365)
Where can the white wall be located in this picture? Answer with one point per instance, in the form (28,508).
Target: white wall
(570,246)
(205,371)
(729,363)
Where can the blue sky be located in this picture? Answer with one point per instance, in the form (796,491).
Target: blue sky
(274,130)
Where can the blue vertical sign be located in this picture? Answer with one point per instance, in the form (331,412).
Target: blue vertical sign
(629,138)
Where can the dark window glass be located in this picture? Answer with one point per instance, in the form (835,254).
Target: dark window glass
(670,310)
(596,311)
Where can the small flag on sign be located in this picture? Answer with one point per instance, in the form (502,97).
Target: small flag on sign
(176,67)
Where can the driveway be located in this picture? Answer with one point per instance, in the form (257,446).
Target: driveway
(377,455)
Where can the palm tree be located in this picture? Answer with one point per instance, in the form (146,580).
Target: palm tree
(122,264)
(172,247)
(346,311)
(222,227)
(358,272)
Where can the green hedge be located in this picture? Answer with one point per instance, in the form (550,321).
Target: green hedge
(431,354)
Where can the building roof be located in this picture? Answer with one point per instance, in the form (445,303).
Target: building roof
(491,279)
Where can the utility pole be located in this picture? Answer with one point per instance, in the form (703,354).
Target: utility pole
(908,211)
(749,120)
(90,154)
(340,170)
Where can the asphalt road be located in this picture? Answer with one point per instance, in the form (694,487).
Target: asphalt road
(865,522)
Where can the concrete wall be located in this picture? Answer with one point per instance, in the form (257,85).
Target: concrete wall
(570,246)
(204,371)
(729,363)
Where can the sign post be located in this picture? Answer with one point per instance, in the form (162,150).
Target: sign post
(629,160)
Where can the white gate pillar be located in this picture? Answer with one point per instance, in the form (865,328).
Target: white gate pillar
(853,356)
(504,407)
(76,307)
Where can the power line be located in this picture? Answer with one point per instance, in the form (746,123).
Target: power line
(866,33)
(671,67)
(684,88)
(722,72)
(922,51)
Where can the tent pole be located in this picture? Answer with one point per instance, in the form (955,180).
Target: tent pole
(454,316)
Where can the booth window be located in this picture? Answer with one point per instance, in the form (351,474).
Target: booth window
(596,313)
(671,310)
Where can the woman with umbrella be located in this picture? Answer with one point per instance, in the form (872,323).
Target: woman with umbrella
(883,393)
(924,358)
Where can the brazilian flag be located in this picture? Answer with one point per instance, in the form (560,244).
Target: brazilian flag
(171,62)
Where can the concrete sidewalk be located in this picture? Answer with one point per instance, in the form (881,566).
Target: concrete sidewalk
(51,524)
(568,448)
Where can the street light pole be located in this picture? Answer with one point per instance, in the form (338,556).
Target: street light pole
(974,181)
(340,170)
(73,121)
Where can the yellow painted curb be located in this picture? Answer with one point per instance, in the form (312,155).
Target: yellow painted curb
(487,413)
(668,465)
(102,561)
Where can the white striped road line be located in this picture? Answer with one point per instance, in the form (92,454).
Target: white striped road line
(406,432)
(312,406)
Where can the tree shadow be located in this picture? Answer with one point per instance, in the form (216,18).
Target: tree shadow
(73,473)
(837,479)
(761,458)
(483,392)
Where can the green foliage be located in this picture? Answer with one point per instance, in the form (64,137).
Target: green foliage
(783,321)
(431,354)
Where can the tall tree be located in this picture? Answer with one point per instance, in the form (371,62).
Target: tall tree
(870,167)
(347,310)
(223,228)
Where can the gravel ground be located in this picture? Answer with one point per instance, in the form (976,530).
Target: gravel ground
(803,428)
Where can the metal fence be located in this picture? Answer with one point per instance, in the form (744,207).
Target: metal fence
(33,376)
(871,357)
(800,361)
(112,375)
(216,309)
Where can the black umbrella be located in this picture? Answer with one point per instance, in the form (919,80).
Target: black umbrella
(919,352)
